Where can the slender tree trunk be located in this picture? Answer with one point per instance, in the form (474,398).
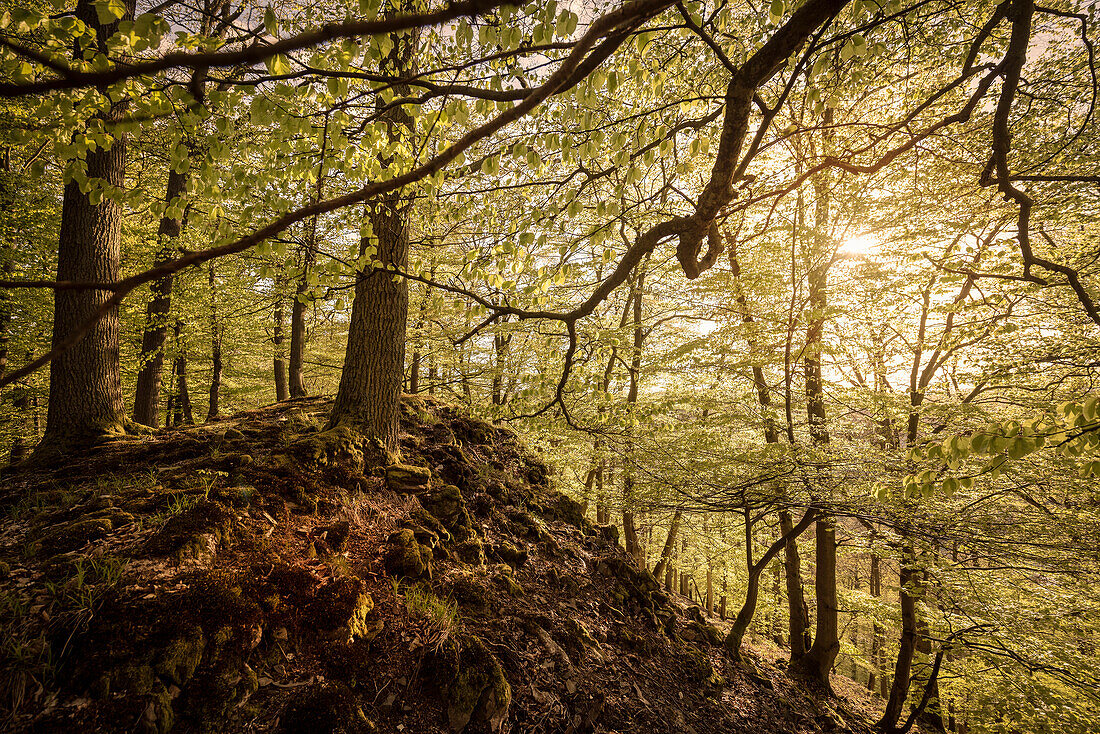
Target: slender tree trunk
(799,617)
(147,394)
(630,530)
(85,384)
(899,690)
(819,659)
(670,544)
(215,349)
(184,416)
(374,364)
(741,623)
(282,390)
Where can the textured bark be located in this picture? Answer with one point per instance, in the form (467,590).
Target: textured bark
(215,349)
(630,530)
(374,363)
(147,394)
(799,617)
(85,385)
(756,569)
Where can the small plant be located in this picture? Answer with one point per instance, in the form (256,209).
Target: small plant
(441,614)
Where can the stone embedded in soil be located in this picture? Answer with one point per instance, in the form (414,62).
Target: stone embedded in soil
(70,536)
(340,610)
(510,554)
(478,690)
(193,533)
(406,557)
(447,504)
(404,479)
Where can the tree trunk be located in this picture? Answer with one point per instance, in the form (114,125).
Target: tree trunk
(369,395)
(670,544)
(147,394)
(755,569)
(799,617)
(215,350)
(183,414)
(630,530)
(85,384)
(282,390)
(899,690)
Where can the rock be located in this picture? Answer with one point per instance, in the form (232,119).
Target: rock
(568,510)
(609,533)
(194,533)
(232,434)
(178,660)
(478,690)
(336,534)
(325,708)
(340,610)
(470,551)
(447,505)
(71,536)
(404,479)
(510,554)
(405,558)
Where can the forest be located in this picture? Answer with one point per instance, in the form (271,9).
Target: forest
(798,302)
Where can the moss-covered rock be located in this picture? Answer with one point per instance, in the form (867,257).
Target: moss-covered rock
(477,689)
(447,505)
(568,510)
(514,556)
(73,535)
(406,557)
(327,708)
(192,534)
(470,551)
(340,609)
(178,660)
(404,479)
(634,585)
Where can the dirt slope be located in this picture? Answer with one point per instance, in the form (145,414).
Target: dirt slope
(257,574)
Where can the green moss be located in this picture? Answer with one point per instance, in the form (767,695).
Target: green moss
(512,555)
(188,534)
(405,558)
(178,660)
(447,505)
(340,610)
(404,479)
(479,690)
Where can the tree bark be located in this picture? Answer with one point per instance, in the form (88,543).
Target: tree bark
(282,390)
(85,384)
(215,350)
(147,394)
(630,530)
(670,545)
(369,395)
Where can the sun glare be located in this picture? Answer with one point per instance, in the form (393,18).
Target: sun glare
(859,245)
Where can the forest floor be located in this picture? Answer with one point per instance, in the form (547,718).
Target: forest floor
(260,574)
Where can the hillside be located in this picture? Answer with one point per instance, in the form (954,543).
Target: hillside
(255,574)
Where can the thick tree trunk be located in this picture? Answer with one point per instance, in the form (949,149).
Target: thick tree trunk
(147,394)
(369,396)
(85,384)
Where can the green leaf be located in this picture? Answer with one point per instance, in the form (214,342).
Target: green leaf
(271,23)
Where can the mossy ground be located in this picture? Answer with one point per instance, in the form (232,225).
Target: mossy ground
(258,574)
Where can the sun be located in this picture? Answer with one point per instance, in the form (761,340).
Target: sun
(863,244)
